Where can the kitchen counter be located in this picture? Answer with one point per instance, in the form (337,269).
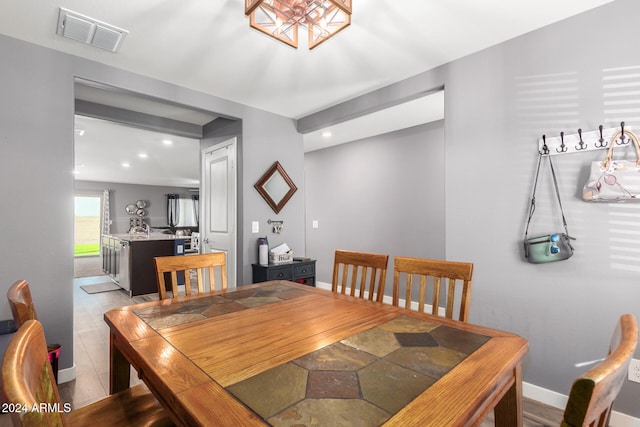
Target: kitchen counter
(128,259)
(142,237)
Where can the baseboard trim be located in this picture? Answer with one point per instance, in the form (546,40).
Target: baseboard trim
(67,374)
(531,391)
(323,285)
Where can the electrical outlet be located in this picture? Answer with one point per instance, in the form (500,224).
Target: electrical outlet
(634,371)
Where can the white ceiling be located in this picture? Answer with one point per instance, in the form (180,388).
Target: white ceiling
(208,45)
(104,146)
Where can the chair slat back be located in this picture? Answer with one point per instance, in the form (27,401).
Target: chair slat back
(593,393)
(363,274)
(436,276)
(28,380)
(187,263)
(21,303)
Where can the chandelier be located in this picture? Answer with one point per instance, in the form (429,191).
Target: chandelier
(281,19)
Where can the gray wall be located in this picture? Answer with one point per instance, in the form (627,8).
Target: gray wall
(498,103)
(375,195)
(275,139)
(120,195)
(36,140)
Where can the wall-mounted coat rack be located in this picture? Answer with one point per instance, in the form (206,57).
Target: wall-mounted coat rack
(580,142)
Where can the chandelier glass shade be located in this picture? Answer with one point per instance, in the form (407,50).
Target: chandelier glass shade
(281,19)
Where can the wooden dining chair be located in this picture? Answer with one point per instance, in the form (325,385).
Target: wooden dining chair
(21,303)
(360,271)
(172,265)
(431,272)
(592,394)
(27,381)
(23,309)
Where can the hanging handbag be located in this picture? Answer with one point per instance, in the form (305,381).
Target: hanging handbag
(614,180)
(550,247)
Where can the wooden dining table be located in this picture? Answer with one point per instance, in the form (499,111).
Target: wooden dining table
(280,353)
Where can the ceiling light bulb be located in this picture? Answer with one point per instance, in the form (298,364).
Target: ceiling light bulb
(143,155)
(125,164)
(326,134)
(167,141)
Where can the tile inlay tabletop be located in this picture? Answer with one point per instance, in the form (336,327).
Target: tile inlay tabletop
(283,354)
(408,361)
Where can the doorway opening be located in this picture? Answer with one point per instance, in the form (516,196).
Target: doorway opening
(87,225)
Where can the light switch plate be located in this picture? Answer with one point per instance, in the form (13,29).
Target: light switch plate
(314,223)
(255,227)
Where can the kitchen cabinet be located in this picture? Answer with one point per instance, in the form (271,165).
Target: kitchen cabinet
(296,271)
(128,260)
(142,269)
(110,257)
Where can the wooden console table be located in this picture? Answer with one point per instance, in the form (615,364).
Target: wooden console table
(303,272)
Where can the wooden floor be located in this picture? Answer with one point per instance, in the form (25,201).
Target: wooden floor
(91,354)
(535,414)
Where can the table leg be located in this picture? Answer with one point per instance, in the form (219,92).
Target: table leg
(508,412)
(119,368)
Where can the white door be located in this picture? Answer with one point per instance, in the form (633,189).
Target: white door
(218,204)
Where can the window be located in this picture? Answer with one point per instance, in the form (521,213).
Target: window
(187,217)
(182,211)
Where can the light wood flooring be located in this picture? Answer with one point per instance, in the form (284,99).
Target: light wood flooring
(91,354)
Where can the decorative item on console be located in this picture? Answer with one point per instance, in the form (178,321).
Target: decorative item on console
(280,254)
(263,250)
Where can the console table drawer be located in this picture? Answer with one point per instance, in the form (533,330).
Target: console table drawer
(280,273)
(306,270)
(297,271)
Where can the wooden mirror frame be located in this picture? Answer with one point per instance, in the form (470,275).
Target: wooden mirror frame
(274,171)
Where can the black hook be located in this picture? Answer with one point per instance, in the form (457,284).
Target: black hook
(545,148)
(583,146)
(622,135)
(563,148)
(601,140)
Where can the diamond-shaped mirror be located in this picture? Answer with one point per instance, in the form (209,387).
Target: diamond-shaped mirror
(276,187)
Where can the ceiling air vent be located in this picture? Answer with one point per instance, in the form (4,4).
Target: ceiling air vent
(90,31)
